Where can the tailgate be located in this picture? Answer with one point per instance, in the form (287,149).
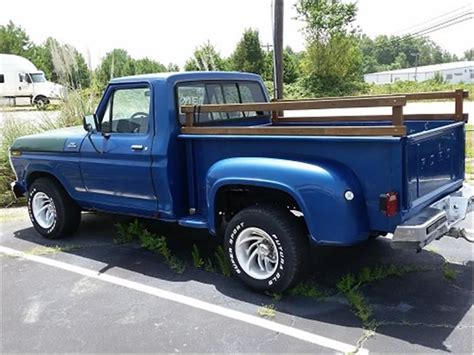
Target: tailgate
(434,164)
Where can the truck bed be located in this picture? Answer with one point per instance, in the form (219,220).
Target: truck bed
(421,164)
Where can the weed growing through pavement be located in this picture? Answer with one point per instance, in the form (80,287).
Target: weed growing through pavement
(222,263)
(135,231)
(349,286)
(307,289)
(208,266)
(267,311)
(198,261)
(276,297)
(449,273)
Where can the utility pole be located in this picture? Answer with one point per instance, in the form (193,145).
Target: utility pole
(278,49)
(416,55)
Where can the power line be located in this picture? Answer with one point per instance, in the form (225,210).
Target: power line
(422,32)
(432,28)
(400,32)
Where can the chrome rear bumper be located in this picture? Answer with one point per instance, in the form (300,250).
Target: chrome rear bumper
(435,221)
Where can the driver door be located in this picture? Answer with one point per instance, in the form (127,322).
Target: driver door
(116,162)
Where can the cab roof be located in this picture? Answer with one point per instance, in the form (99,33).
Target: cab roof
(174,77)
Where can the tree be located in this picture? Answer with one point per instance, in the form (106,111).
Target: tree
(14,40)
(116,63)
(469,54)
(172,67)
(333,68)
(291,64)
(392,52)
(62,63)
(326,18)
(248,55)
(332,63)
(205,58)
(147,66)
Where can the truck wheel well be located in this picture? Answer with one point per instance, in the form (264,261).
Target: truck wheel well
(231,199)
(41,174)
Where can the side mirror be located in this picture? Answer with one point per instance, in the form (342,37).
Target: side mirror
(90,123)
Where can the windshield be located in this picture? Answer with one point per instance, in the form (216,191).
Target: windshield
(220,93)
(38,77)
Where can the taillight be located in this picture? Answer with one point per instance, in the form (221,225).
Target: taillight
(389,204)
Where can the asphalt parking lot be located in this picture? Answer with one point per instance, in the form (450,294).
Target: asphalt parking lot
(89,294)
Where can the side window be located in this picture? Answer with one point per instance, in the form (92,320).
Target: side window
(21,77)
(127,111)
(2,78)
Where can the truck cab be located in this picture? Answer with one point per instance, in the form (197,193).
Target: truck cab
(209,150)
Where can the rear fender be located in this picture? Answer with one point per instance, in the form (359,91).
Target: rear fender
(318,188)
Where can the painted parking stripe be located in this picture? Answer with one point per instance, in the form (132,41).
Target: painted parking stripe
(191,302)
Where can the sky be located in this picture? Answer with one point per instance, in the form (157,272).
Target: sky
(170,30)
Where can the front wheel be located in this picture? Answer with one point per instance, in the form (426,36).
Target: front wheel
(52,211)
(41,102)
(266,247)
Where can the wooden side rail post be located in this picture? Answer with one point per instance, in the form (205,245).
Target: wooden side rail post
(458,105)
(397,115)
(189,119)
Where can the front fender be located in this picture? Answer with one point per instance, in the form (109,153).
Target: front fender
(318,188)
(25,167)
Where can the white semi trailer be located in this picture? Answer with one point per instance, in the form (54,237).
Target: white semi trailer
(20,79)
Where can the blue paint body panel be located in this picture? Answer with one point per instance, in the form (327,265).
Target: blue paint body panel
(177,172)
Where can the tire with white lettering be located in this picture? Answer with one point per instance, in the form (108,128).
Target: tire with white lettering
(52,211)
(266,247)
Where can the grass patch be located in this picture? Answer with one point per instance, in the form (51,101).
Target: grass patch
(402,87)
(267,311)
(470,141)
(449,273)
(307,289)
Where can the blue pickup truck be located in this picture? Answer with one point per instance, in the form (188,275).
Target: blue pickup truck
(210,150)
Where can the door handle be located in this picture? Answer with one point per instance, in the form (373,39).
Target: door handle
(137,147)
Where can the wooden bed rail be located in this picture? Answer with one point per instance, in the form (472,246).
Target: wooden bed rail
(396,102)
(457,95)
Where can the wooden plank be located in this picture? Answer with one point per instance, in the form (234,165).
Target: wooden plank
(302,131)
(407,117)
(410,97)
(301,105)
(458,105)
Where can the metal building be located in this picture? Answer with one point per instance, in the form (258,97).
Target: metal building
(455,72)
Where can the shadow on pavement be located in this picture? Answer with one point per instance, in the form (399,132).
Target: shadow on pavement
(420,308)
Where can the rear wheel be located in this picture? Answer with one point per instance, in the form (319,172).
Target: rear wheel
(266,247)
(53,213)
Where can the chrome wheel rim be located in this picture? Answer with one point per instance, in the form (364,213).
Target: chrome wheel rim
(256,253)
(43,210)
